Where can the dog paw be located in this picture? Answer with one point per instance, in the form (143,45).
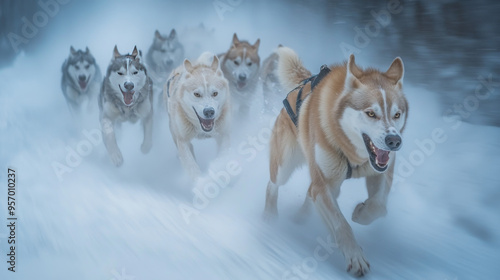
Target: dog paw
(146,147)
(367,212)
(117,159)
(357,265)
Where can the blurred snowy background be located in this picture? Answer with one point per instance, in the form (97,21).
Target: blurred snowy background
(102,222)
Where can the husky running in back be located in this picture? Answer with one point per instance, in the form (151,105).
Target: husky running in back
(344,122)
(81,79)
(163,56)
(196,39)
(198,102)
(240,65)
(126,95)
(272,90)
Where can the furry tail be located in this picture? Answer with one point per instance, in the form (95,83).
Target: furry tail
(205,58)
(290,68)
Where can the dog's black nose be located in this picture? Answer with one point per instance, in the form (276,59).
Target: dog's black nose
(242,77)
(129,85)
(209,112)
(82,78)
(393,142)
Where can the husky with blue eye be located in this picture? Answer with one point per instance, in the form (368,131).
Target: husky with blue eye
(126,96)
(81,80)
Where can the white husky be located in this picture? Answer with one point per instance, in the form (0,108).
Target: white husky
(126,95)
(198,104)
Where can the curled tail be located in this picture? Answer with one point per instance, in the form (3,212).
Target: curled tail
(290,69)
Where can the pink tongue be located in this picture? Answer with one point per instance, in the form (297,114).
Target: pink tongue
(127,97)
(83,84)
(207,123)
(382,156)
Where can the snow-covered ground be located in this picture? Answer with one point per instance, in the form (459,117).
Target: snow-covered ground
(142,220)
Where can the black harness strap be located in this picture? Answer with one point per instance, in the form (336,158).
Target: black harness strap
(168,84)
(349,170)
(323,71)
(314,80)
(290,112)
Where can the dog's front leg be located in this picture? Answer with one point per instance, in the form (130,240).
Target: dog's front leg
(108,135)
(374,207)
(147,124)
(91,104)
(72,99)
(223,143)
(187,158)
(337,224)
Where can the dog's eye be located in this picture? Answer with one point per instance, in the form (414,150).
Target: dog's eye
(87,66)
(120,73)
(215,93)
(77,67)
(197,94)
(397,115)
(249,64)
(370,114)
(135,72)
(236,63)
(163,51)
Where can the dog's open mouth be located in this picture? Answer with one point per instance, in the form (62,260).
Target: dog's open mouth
(206,124)
(128,96)
(240,85)
(83,84)
(378,158)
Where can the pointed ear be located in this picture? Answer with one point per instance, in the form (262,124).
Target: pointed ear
(236,41)
(396,71)
(158,35)
(72,50)
(352,73)
(173,34)
(116,53)
(188,66)
(135,52)
(87,50)
(215,64)
(257,44)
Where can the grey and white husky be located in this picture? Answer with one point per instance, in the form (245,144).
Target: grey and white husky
(81,78)
(164,55)
(126,95)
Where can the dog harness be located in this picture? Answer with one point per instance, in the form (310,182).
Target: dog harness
(168,84)
(314,80)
